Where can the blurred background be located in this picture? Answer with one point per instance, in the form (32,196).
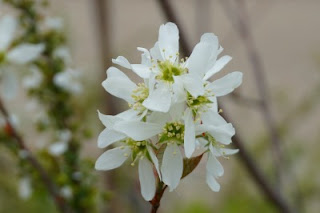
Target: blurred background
(285,38)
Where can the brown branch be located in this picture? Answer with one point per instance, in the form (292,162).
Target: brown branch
(155,202)
(170,16)
(47,181)
(239,19)
(101,12)
(253,169)
(246,100)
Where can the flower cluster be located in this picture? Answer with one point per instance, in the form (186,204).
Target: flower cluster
(33,46)
(12,54)
(175,109)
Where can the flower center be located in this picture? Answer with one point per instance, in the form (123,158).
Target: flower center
(139,95)
(172,132)
(139,149)
(201,103)
(168,70)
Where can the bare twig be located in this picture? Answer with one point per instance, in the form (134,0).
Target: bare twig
(101,12)
(155,202)
(47,181)
(170,16)
(253,169)
(239,18)
(246,100)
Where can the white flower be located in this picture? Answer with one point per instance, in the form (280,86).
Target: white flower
(119,85)
(33,79)
(170,129)
(59,147)
(63,53)
(53,23)
(169,78)
(18,55)
(216,134)
(69,80)
(162,69)
(9,82)
(175,109)
(66,192)
(214,167)
(21,54)
(25,189)
(139,150)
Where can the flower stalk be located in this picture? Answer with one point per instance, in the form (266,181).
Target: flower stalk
(44,176)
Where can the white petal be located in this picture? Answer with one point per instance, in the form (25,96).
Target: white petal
(211,117)
(9,83)
(33,79)
(158,117)
(122,61)
(159,99)
(58,148)
(172,166)
(220,63)
(53,23)
(220,50)
(226,84)
(214,103)
(25,53)
(129,114)
(151,82)
(141,70)
(176,111)
(109,120)
(108,137)
(147,179)
(145,56)
(25,188)
(193,84)
(214,167)
(189,134)
(202,143)
(114,72)
(156,53)
(8,26)
(138,130)
(63,53)
(179,94)
(119,85)
(203,55)
(169,41)
(154,160)
(113,158)
(212,183)
(222,151)
(221,133)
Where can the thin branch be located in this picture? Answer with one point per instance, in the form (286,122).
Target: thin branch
(239,19)
(155,202)
(245,100)
(170,16)
(47,181)
(253,169)
(101,13)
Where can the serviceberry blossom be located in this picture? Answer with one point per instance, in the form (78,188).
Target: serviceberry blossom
(11,55)
(69,80)
(25,188)
(174,109)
